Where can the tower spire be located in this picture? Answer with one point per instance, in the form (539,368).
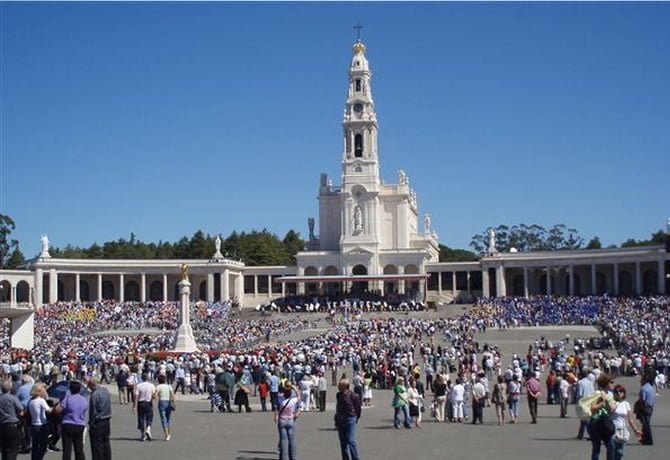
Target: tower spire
(358,28)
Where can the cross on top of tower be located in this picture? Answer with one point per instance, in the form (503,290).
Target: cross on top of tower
(358,28)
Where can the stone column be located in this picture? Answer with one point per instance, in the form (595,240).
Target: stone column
(99,287)
(255,285)
(210,287)
(401,283)
(39,287)
(486,292)
(525,282)
(53,286)
(300,288)
(143,287)
(185,340)
(439,283)
(270,286)
(548,280)
(77,293)
(12,298)
(165,290)
(571,280)
(453,283)
(661,277)
(239,288)
(501,287)
(638,279)
(225,286)
(468,278)
(122,288)
(593,279)
(616,279)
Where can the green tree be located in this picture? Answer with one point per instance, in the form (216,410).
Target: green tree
(15,259)
(448,254)
(656,238)
(293,244)
(594,243)
(7,245)
(526,238)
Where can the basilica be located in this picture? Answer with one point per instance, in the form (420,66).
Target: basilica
(371,239)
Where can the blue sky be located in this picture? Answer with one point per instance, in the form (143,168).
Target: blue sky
(162,119)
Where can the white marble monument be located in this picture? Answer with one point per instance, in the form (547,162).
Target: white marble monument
(185,340)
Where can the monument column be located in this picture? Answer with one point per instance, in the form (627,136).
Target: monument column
(225,286)
(210,287)
(122,291)
(143,287)
(99,287)
(39,287)
(77,293)
(53,286)
(525,282)
(638,279)
(486,292)
(165,291)
(185,340)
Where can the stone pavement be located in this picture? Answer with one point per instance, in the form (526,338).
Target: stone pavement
(199,434)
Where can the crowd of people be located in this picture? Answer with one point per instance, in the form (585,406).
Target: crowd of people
(436,367)
(364,303)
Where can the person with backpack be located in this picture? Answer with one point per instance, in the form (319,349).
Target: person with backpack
(601,428)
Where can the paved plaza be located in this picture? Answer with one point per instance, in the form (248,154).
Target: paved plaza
(200,434)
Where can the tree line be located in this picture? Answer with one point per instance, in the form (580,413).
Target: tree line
(263,247)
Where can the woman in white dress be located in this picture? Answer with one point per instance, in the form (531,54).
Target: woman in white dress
(622,416)
(367,390)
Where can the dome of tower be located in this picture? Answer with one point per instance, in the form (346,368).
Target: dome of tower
(359,61)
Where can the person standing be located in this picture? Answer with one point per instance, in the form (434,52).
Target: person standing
(38,415)
(400,404)
(499,400)
(263,391)
(601,410)
(478,402)
(323,389)
(622,416)
(347,414)
(11,412)
(145,393)
(534,391)
(647,401)
(274,391)
(285,417)
(99,421)
(457,396)
(585,387)
(440,395)
(73,407)
(166,401)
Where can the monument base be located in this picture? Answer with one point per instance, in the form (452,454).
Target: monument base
(185,340)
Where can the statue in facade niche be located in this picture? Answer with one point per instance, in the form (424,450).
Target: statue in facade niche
(217,244)
(310,225)
(358,219)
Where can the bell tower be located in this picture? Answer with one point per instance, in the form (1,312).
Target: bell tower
(360,163)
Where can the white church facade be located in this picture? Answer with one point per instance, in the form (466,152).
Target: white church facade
(371,239)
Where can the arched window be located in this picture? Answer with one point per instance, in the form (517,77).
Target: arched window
(358,145)
(107,290)
(358,85)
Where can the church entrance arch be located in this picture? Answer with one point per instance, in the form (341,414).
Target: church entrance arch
(331,289)
(22,292)
(5,291)
(359,287)
(156,291)
(311,288)
(411,287)
(132,292)
(390,287)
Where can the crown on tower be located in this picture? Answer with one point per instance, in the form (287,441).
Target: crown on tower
(359,47)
